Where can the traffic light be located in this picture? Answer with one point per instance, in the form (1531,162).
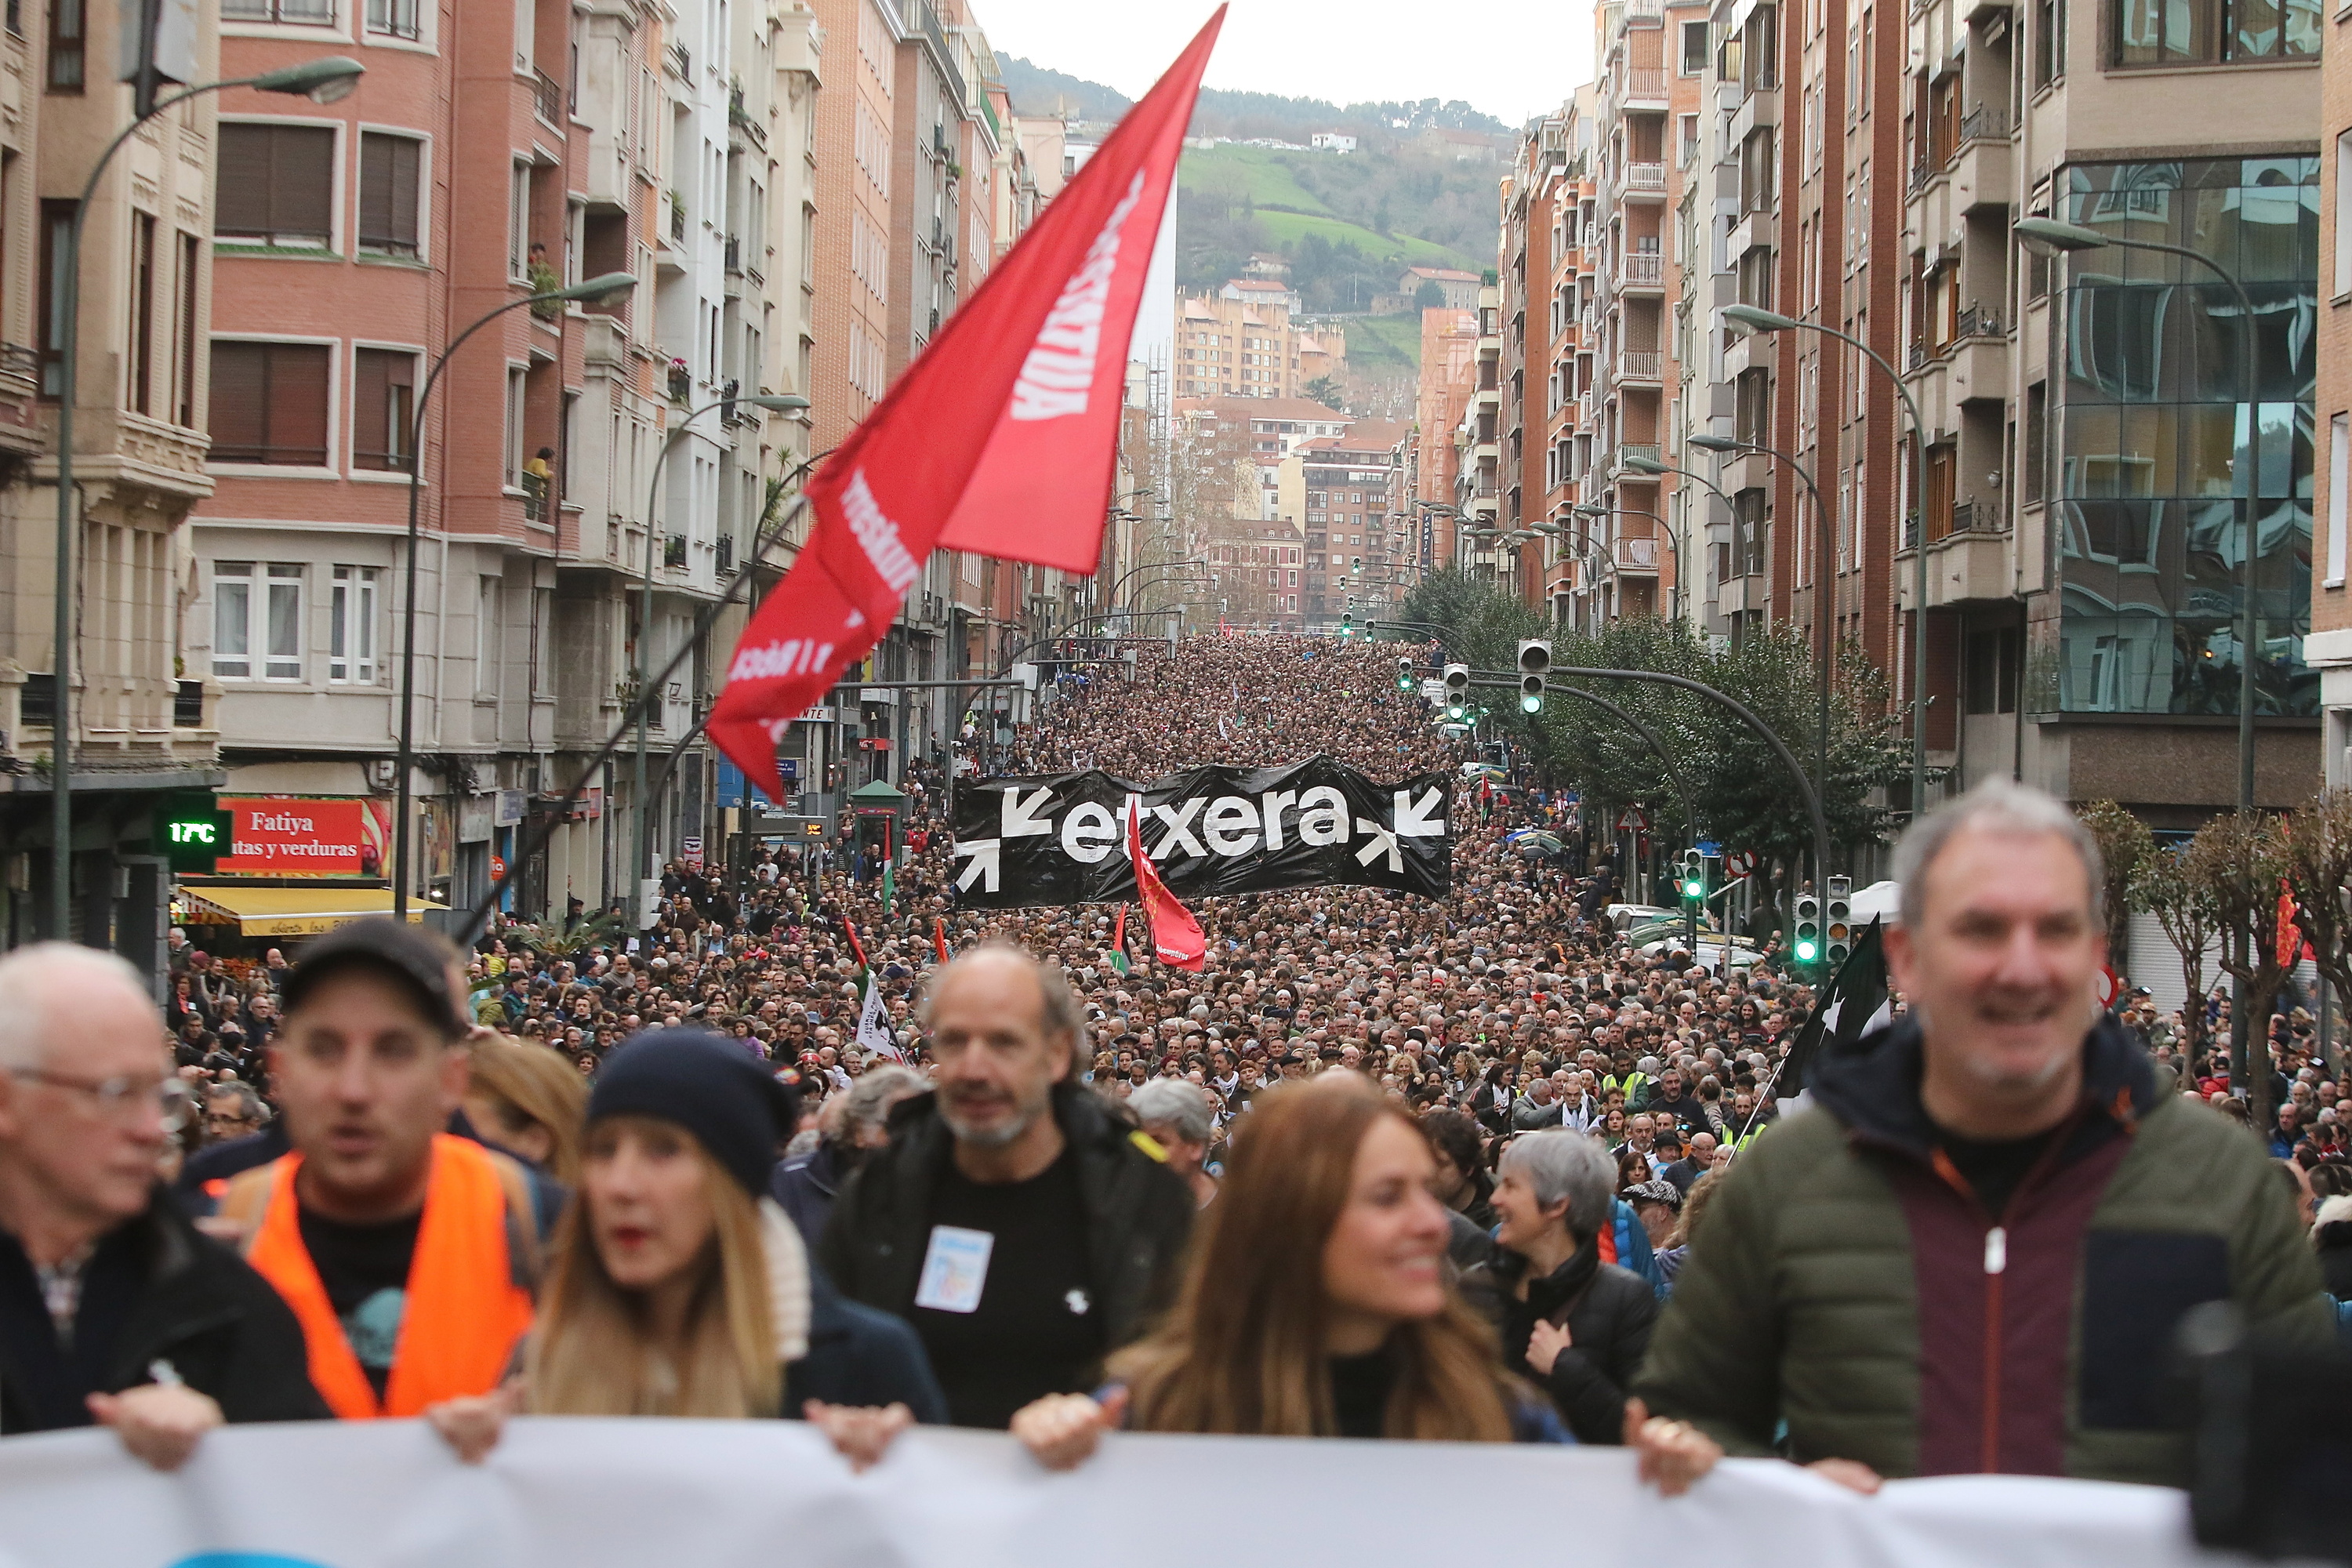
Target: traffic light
(190,832)
(1694,879)
(1806,949)
(1347,624)
(1535,660)
(1404,675)
(1838,923)
(1457,691)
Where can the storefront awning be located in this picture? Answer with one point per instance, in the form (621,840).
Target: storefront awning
(292,911)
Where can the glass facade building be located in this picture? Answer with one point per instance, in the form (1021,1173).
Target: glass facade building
(2160,467)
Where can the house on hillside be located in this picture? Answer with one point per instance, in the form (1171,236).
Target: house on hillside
(1460,291)
(1331,141)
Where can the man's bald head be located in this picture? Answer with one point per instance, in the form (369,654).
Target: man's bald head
(1058,1014)
(42,984)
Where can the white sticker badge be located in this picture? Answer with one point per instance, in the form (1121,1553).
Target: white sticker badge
(955,1270)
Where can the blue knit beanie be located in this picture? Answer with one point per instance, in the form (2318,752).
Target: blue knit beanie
(707,1086)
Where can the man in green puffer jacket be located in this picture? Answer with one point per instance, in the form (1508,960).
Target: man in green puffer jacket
(1971,1253)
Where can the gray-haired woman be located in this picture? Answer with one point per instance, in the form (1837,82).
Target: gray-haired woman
(1575,1326)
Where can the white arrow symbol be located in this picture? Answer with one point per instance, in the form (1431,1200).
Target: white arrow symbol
(1381,838)
(1413,821)
(1018,822)
(985,862)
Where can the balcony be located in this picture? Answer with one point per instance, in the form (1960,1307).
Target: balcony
(20,388)
(726,561)
(677,219)
(1636,557)
(1757,111)
(1966,566)
(1641,364)
(534,497)
(674,551)
(734,254)
(1645,450)
(680,62)
(1644,269)
(1645,85)
(1645,179)
(1984,169)
(547,99)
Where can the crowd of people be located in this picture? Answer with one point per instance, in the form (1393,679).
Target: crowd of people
(819,1144)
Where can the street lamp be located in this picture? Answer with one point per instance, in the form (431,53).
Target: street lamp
(1752,318)
(1823,566)
(2048,236)
(325,80)
(609,286)
(775,403)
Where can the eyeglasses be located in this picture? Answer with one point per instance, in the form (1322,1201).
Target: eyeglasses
(117,1097)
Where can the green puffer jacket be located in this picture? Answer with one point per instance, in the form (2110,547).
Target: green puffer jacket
(1845,1280)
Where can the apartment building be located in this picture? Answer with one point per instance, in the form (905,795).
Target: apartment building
(1442,390)
(2328,648)
(1241,341)
(1341,490)
(139,724)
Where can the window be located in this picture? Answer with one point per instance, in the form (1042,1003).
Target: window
(270,403)
(139,364)
(293,13)
(56,242)
(2048,42)
(394,19)
(486,636)
(257,618)
(519,221)
(185,300)
(388,184)
(384,404)
(277,185)
(68,31)
(1694,49)
(515,384)
(2339,458)
(2209,32)
(350,626)
(2343,283)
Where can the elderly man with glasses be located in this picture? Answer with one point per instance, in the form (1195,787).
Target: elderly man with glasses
(113,1308)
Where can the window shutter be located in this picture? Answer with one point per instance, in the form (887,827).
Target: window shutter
(241,202)
(407,156)
(239,406)
(301,182)
(298,402)
(375,191)
(371,414)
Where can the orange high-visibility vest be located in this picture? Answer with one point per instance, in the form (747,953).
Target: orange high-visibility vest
(464,1313)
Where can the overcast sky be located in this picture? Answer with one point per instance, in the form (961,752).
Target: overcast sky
(1513,59)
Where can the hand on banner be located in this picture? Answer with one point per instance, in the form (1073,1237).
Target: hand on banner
(473,1426)
(1851,1474)
(160,1423)
(859,1433)
(1062,1431)
(1671,1454)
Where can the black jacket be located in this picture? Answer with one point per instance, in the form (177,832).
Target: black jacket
(859,1356)
(201,1308)
(1609,1312)
(1138,1216)
(805,1186)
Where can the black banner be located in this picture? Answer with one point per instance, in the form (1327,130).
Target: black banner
(1060,838)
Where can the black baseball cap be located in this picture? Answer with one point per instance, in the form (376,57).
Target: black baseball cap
(417,961)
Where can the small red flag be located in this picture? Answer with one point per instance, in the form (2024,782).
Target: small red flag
(1119,936)
(1176,937)
(1001,439)
(940,936)
(855,945)
(2290,935)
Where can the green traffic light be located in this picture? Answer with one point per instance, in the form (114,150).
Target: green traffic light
(1806,952)
(1531,704)
(1694,890)
(1453,711)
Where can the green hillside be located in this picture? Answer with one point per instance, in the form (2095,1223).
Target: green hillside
(1376,342)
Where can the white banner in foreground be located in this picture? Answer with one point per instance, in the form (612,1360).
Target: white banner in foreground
(584,1494)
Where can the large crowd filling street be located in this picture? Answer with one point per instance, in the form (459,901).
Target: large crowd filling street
(820,1144)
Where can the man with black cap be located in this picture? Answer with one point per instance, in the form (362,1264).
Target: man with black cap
(1020,1229)
(410,1255)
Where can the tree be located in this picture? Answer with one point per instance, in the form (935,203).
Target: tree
(2319,866)
(2124,842)
(551,938)
(2184,907)
(1325,391)
(2242,859)
(1429,297)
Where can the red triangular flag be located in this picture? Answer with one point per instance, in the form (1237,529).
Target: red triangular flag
(940,936)
(855,945)
(1000,439)
(2290,935)
(1176,936)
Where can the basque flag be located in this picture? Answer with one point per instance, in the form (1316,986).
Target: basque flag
(1001,439)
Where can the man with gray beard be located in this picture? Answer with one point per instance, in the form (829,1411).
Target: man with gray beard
(1020,1227)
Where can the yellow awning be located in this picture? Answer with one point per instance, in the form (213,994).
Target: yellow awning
(294,911)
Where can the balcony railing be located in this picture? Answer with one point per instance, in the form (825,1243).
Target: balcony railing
(674,550)
(1976,321)
(1637,555)
(1645,177)
(1645,450)
(677,221)
(1985,122)
(734,254)
(681,61)
(1646,81)
(1975,517)
(188,705)
(1645,267)
(1641,364)
(534,497)
(726,555)
(37,704)
(549,100)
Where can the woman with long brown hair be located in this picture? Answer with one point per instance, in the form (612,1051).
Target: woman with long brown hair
(530,1101)
(677,1288)
(1317,1304)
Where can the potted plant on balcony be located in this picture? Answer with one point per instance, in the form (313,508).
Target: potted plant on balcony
(681,382)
